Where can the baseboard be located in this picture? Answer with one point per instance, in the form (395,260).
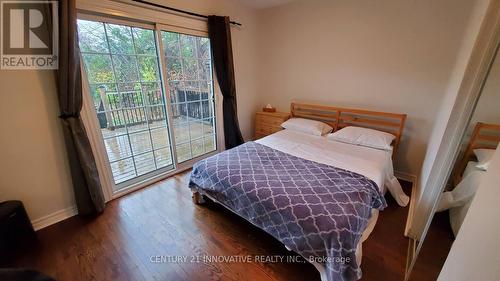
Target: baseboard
(410,255)
(63,214)
(406,177)
(53,218)
(413,196)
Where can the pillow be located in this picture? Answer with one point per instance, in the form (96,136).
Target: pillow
(483,158)
(307,126)
(364,137)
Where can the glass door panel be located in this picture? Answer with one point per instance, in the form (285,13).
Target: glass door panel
(122,68)
(190,83)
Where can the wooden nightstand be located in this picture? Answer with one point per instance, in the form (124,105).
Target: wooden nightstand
(267,123)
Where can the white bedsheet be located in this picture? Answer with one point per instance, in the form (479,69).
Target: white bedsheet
(375,164)
(460,198)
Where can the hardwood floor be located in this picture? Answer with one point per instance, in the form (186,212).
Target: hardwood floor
(437,245)
(160,220)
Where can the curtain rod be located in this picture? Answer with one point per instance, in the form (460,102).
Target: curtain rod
(178,10)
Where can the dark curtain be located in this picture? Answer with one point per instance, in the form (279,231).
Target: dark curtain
(87,187)
(222,52)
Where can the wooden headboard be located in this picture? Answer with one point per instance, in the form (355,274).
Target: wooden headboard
(483,136)
(339,117)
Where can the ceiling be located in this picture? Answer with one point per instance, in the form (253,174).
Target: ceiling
(263,4)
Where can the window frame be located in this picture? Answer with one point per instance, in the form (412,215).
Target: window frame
(117,187)
(217,117)
(119,13)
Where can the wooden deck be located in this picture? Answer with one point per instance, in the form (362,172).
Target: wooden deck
(148,145)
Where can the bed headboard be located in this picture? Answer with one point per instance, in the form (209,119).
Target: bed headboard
(484,136)
(339,117)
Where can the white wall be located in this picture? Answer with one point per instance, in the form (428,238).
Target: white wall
(452,110)
(474,254)
(244,51)
(387,55)
(488,106)
(33,164)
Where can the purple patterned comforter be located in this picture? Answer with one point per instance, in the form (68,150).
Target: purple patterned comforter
(317,210)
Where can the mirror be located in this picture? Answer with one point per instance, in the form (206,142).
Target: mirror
(478,144)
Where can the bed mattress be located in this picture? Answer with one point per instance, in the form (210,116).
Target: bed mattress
(462,195)
(372,164)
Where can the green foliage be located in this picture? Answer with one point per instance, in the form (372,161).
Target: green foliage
(123,54)
(148,68)
(122,40)
(98,68)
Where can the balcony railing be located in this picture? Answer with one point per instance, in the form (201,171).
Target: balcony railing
(117,109)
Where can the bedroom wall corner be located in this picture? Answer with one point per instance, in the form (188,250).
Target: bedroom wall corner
(245,40)
(34,163)
(393,56)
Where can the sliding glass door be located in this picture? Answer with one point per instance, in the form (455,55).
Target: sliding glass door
(141,124)
(189,75)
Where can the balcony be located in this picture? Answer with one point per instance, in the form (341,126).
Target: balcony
(135,132)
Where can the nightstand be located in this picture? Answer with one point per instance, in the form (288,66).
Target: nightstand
(267,123)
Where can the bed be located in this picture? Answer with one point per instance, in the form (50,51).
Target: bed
(484,136)
(318,197)
(468,174)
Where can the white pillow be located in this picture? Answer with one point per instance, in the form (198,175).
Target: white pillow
(483,158)
(307,126)
(364,137)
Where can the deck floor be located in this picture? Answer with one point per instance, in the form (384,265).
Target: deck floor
(143,148)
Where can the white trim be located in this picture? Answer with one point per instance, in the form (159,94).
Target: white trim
(53,218)
(413,196)
(127,9)
(113,20)
(90,122)
(406,177)
(478,67)
(412,245)
(181,30)
(181,167)
(125,14)
(219,118)
(121,12)
(147,182)
(69,212)
(162,67)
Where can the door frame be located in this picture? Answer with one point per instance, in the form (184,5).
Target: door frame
(131,15)
(482,56)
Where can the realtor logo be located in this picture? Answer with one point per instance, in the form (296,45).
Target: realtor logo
(29,35)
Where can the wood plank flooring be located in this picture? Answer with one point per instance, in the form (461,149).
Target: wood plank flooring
(161,220)
(437,245)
